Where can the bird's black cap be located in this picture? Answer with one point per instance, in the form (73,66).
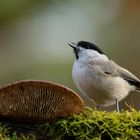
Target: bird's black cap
(85,45)
(88,45)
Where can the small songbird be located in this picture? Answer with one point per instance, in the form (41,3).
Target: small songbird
(100,78)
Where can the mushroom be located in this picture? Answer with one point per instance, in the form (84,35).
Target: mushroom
(38,101)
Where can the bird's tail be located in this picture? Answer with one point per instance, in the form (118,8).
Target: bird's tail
(135,83)
(138,87)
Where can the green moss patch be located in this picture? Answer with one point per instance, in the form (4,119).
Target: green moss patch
(97,125)
(89,125)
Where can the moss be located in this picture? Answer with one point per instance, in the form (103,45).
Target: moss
(6,135)
(89,125)
(97,125)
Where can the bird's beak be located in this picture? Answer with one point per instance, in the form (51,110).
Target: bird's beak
(73,45)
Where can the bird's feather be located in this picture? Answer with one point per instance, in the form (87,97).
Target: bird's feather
(110,68)
(130,78)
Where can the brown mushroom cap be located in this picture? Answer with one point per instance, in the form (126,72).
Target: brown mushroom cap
(38,101)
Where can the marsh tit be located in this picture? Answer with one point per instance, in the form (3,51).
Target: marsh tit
(99,78)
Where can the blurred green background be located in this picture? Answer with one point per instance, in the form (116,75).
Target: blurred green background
(34,36)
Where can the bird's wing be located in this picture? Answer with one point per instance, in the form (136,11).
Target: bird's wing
(112,69)
(105,67)
(129,77)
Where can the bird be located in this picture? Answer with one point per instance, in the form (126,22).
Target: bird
(99,78)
